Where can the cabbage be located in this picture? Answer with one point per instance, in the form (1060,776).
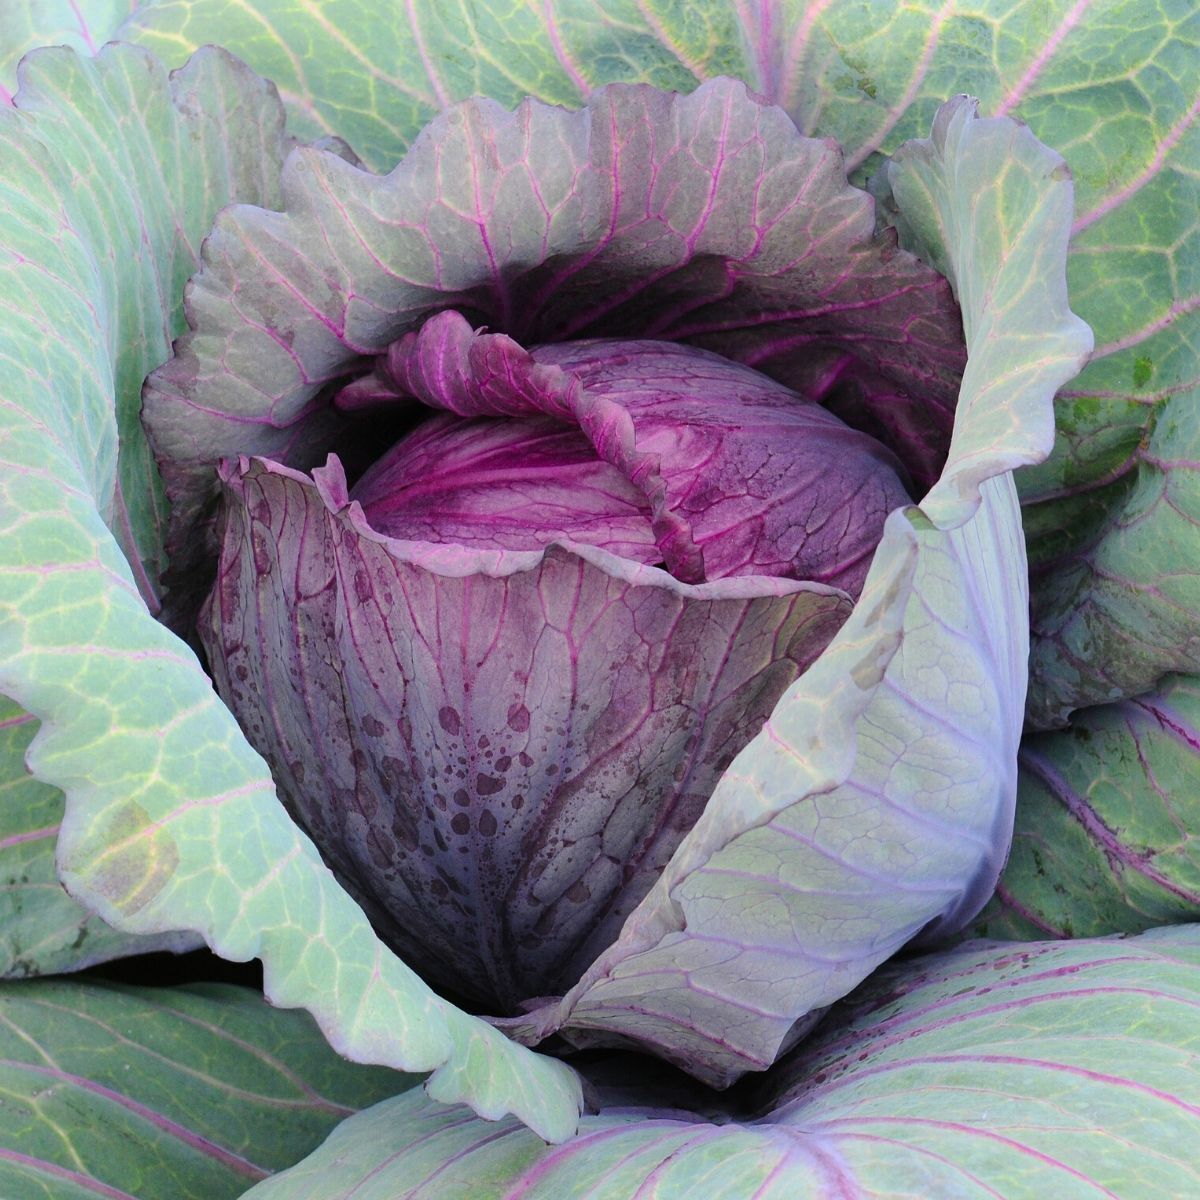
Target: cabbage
(493,447)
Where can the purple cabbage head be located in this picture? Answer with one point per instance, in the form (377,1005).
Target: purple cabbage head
(621,435)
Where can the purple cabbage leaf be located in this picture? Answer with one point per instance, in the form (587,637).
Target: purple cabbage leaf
(171,823)
(585,739)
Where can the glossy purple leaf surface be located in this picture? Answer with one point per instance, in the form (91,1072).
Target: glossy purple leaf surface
(497,750)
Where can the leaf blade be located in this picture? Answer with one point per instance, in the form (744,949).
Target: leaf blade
(180,1092)
(80,650)
(998,1071)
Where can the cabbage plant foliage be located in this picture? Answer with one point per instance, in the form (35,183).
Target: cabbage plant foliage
(639,559)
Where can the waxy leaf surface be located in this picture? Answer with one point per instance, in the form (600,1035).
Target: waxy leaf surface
(997,1071)
(192,1093)
(43,931)
(112,174)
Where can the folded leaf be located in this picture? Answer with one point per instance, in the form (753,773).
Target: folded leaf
(736,474)
(496,821)
(163,1093)
(809,867)
(1004,1071)
(112,173)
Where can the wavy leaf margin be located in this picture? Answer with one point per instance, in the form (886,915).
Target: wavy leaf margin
(154,768)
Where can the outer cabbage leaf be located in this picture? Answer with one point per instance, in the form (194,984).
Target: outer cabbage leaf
(1107,824)
(111,175)
(163,1093)
(1110,510)
(377,74)
(801,876)
(792,887)
(84,25)
(42,930)
(1003,1071)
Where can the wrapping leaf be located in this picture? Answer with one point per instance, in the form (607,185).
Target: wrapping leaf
(496,819)
(1005,1071)
(113,173)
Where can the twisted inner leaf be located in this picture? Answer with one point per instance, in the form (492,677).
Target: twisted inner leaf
(704,465)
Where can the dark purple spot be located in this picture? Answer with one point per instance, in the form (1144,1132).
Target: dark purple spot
(518,717)
(484,742)
(438,888)
(552,769)
(488,785)
(462,799)
(405,829)
(242,672)
(372,726)
(503,763)
(449,720)
(460,823)
(362,586)
(260,545)
(525,760)
(487,823)
(578,892)
(518,803)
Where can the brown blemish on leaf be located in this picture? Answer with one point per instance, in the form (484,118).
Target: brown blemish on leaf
(869,669)
(139,861)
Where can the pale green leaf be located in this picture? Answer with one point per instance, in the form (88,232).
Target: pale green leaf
(163,1094)
(111,174)
(1004,1072)
(42,930)
(84,25)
